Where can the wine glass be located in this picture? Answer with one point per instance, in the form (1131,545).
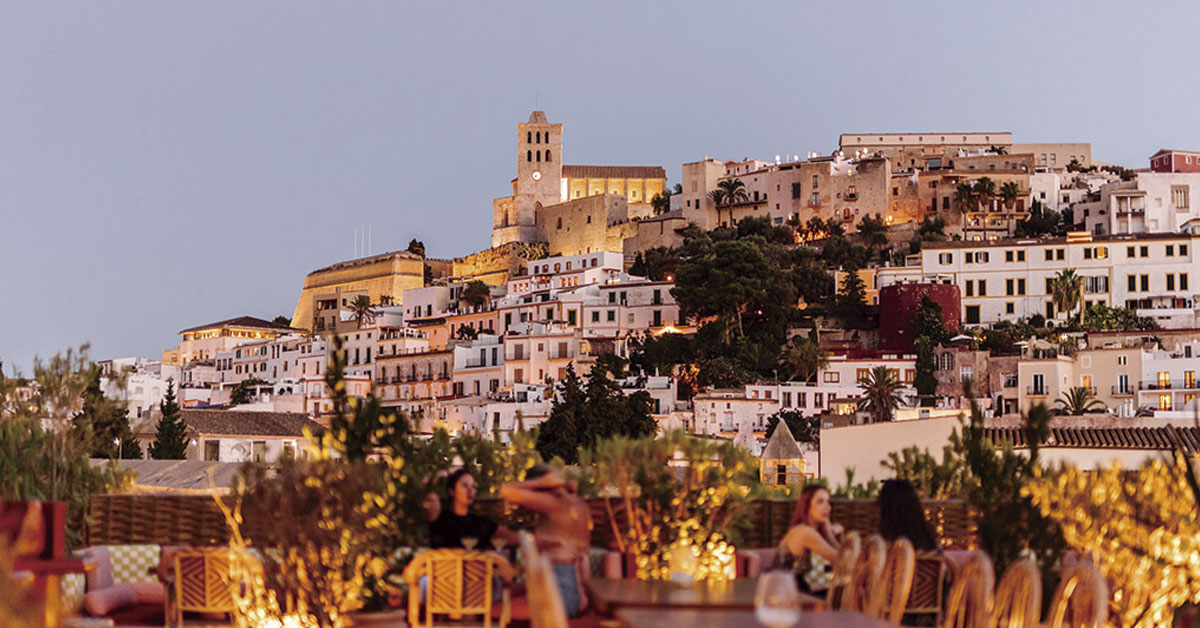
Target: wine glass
(470,542)
(498,543)
(776,600)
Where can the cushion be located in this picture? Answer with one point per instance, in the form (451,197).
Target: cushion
(71,589)
(133,563)
(101,577)
(148,592)
(104,601)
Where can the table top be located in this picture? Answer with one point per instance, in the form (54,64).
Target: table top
(610,594)
(727,618)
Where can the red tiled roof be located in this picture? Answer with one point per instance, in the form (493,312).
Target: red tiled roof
(1158,438)
(614,172)
(244,423)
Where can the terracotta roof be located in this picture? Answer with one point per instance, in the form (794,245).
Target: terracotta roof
(615,172)
(1104,437)
(243,423)
(241,321)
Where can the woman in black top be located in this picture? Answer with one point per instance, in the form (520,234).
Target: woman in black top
(901,515)
(457,521)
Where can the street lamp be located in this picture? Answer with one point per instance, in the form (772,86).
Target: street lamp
(117,444)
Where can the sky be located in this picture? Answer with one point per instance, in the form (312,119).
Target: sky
(169,164)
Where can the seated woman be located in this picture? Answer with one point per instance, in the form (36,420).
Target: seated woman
(564,528)
(811,543)
(456,522)
(901,515)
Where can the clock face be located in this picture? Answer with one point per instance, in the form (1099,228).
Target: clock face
(537,175)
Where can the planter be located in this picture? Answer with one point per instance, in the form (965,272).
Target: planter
(379,619)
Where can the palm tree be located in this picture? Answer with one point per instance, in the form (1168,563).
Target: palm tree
(985,192)
(362,310)
(881,393)
(728,193)
(1008,195)
(1067,290)
(964,197)
(805,358)
(1079,400)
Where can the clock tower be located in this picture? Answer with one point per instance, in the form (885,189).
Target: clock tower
(539,181)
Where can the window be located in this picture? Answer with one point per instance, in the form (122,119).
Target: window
(972,314)
(1164,401)
(1183,281)
(1183,249)
(1060,254)
(1021,286)
(258,451)
(815,182)
(1008,256)
(1039,384)
(1132,283)
(831,377)
(212,450)
(1170,250)
(1129,251)
(612,316)
(818,400)
(983,287)
(1122,360)
(1095,285)
(1179,196)
(1049,255)
(816,199)
(1009,287)
(945,258)
(1020,256)
(1145,281)
(970,288)
(796,190)
(1170,281)
(1145,251)
(1010,308)
(1123,384)
(548,156)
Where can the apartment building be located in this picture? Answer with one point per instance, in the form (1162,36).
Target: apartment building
(1153,202)
(1169,160)
(1011,279)
(478,366)
(537,351)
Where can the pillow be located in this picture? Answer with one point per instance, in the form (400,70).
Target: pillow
(101,577)
(104,601)
(148,592)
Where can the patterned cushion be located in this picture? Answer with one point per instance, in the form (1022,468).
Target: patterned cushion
(71,589)
(134,563)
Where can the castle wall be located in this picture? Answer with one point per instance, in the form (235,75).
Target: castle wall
(387,275)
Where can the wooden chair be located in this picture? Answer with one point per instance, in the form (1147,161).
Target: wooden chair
(457,582)
(970,601)
(546,609)
(198,581)
(890,596)
(867,572)
(1018,601)
(1081,600)
(931,571)
(838,597)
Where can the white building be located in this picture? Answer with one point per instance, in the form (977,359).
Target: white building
(1154,202)
(1011,279)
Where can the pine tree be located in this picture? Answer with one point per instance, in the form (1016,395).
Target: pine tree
(170,440)
(926,382)
(103,424)
(852,301)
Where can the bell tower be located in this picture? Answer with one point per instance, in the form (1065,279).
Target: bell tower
(539,181)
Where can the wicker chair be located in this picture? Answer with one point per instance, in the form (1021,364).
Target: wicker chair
(838,597)
(970,599)
(546,609)
(1081,600)
(889,598)
(866,574)
(458,582)
(931,571)
(1018,601)
(198,581)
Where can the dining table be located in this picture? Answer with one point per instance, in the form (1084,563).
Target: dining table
(610,595)
(738,618)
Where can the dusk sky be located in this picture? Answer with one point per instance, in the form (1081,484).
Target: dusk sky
(165,165)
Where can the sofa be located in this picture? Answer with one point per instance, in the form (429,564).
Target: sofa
(125,581)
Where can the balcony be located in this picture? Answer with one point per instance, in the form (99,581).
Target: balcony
(1174,384)
(1035,391)
(1122,391)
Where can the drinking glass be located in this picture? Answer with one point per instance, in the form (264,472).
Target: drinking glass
(470,542)
(776,600)
(498,543)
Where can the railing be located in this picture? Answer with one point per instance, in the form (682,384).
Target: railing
(1122,391)
(1174,384)
(1034,391)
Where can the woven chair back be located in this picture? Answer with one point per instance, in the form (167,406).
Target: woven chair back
(867,572)
(546,609)
(1018,600)
(838,597)
(1081,600)
(889,598)
(201,583)
(970,601)
(457,582)
(931,570)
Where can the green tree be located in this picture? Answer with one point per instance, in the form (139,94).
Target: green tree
(1009,193)
(804,358)
(475,293)
(1079,400)
(1101,317)
(985,193)
(661,203)
(1039,222)
(723,284)
(170,438)
(243,393)
(656,264)
(933,229)
(416,247)
(282,320)
(925,382)
(839,252)
(965,198)
(103,424)
(929,323)
(873,231)
(881,393)
(804,429)
(362,310)
(852,300)
(1067,290)
(587,413)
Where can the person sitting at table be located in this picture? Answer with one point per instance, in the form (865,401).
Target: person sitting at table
(811,543)
(564,528)
(901,515)
(457,523)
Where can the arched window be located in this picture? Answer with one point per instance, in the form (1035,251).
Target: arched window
(529,137)
(528,155)
(547,155)
(539,137)
(539,155)
(547,137)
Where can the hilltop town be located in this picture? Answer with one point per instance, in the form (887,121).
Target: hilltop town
(866,298)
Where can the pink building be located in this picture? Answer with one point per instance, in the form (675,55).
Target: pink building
(1168,160)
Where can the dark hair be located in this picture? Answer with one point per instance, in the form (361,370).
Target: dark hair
(452,481)
(804,505)
(538,470)
(900,514)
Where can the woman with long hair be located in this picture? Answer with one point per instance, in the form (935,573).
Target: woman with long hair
(901,515)
(811,543)
(457,520)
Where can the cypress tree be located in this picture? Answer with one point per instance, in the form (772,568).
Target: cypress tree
(170,440)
